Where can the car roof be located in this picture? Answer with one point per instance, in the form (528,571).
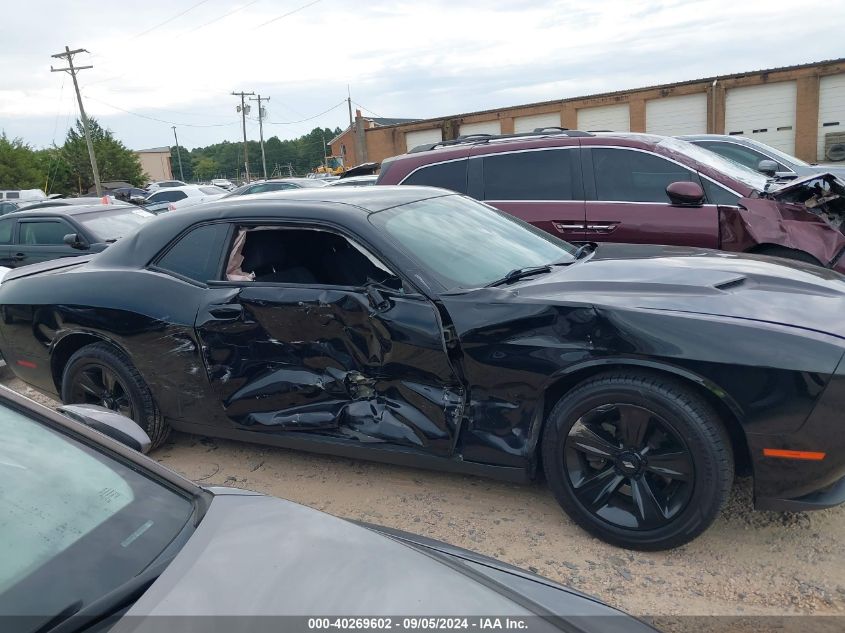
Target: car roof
(321,204)
(70,209)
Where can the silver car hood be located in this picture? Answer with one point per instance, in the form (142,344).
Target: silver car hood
(253,555)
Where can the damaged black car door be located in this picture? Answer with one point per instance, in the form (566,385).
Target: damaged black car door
(310,333)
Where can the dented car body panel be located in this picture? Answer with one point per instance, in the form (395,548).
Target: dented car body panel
(459,379)
(311,359)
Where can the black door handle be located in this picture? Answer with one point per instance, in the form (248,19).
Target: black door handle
(19,256)
(227,311)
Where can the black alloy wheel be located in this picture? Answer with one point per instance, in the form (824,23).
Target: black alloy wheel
(102,374)
(97,384)
(638,459)
(628,466)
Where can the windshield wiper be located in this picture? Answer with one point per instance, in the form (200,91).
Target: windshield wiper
(74,618)
(520,273)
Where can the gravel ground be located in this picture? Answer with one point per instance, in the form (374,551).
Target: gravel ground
(747,564)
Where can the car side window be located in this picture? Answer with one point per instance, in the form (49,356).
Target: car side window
(716,194)
(197,254)
(302,256)
(536,175)
(626,175)
(451,175)
(6,227)
(45,232)
(739,154)
(168,196)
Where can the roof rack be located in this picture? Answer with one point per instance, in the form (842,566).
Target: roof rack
(542,132)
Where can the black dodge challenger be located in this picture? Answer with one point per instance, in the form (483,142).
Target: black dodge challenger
(420,327)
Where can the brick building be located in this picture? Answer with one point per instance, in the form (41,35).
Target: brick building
(798,109)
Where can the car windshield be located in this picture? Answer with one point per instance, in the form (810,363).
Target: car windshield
(467,244)
(74,523)
(113,224)
(745,175)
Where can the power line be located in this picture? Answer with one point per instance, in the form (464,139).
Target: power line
(152,118)
(284,15)
(363,107)
(225,15)
(311,118)
(169,20)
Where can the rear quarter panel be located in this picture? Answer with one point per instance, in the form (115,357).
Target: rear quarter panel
(148,315)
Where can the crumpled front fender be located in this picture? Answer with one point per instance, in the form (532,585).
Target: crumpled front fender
(763,221)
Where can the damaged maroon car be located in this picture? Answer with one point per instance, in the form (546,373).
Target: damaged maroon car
(635,188)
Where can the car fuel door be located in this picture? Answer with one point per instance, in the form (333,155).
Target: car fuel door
(365,363)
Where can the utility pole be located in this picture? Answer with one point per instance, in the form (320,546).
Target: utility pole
(349,103)
(261,112)
(72,70)
(243,109)
(178,154)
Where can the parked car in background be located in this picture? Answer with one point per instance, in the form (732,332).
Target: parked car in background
(223,183)
(354,181)
(279,184)
(420,327)
(164,184)
(751,153)
(179,197)
(9,206)
(22,195)
(32,236)
(635,188)
(151,543)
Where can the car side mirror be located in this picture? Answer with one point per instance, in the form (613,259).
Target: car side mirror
(74,240)
(685,194)
(116,426)
(767,167)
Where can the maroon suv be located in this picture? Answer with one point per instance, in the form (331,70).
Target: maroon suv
(635,188)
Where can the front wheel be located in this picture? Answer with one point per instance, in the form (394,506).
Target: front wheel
(101,374)
(638,460)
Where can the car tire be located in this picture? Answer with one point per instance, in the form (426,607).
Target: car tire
(788,253)
(95,367)
(653,495)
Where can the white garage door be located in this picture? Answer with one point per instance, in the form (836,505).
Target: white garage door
(670,116)
(531,123)
(765,113)
(422,137)
(615,118)
(831,108)
(485,127)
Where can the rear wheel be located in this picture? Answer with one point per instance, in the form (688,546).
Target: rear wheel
(638,460)
(101,374)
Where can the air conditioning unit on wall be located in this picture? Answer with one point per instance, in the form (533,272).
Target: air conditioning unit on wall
(834,146)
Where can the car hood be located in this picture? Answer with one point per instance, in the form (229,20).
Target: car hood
(262,556)
(666,278)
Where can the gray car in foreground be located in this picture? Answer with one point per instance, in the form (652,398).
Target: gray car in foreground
(751,153)
(95,536)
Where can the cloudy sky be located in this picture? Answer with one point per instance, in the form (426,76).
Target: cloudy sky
(163,62)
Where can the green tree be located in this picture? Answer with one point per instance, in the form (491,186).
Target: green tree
(187,165)
(19,165)
(114,160)
(204,168)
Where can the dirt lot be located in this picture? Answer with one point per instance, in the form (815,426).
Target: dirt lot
(748,563)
